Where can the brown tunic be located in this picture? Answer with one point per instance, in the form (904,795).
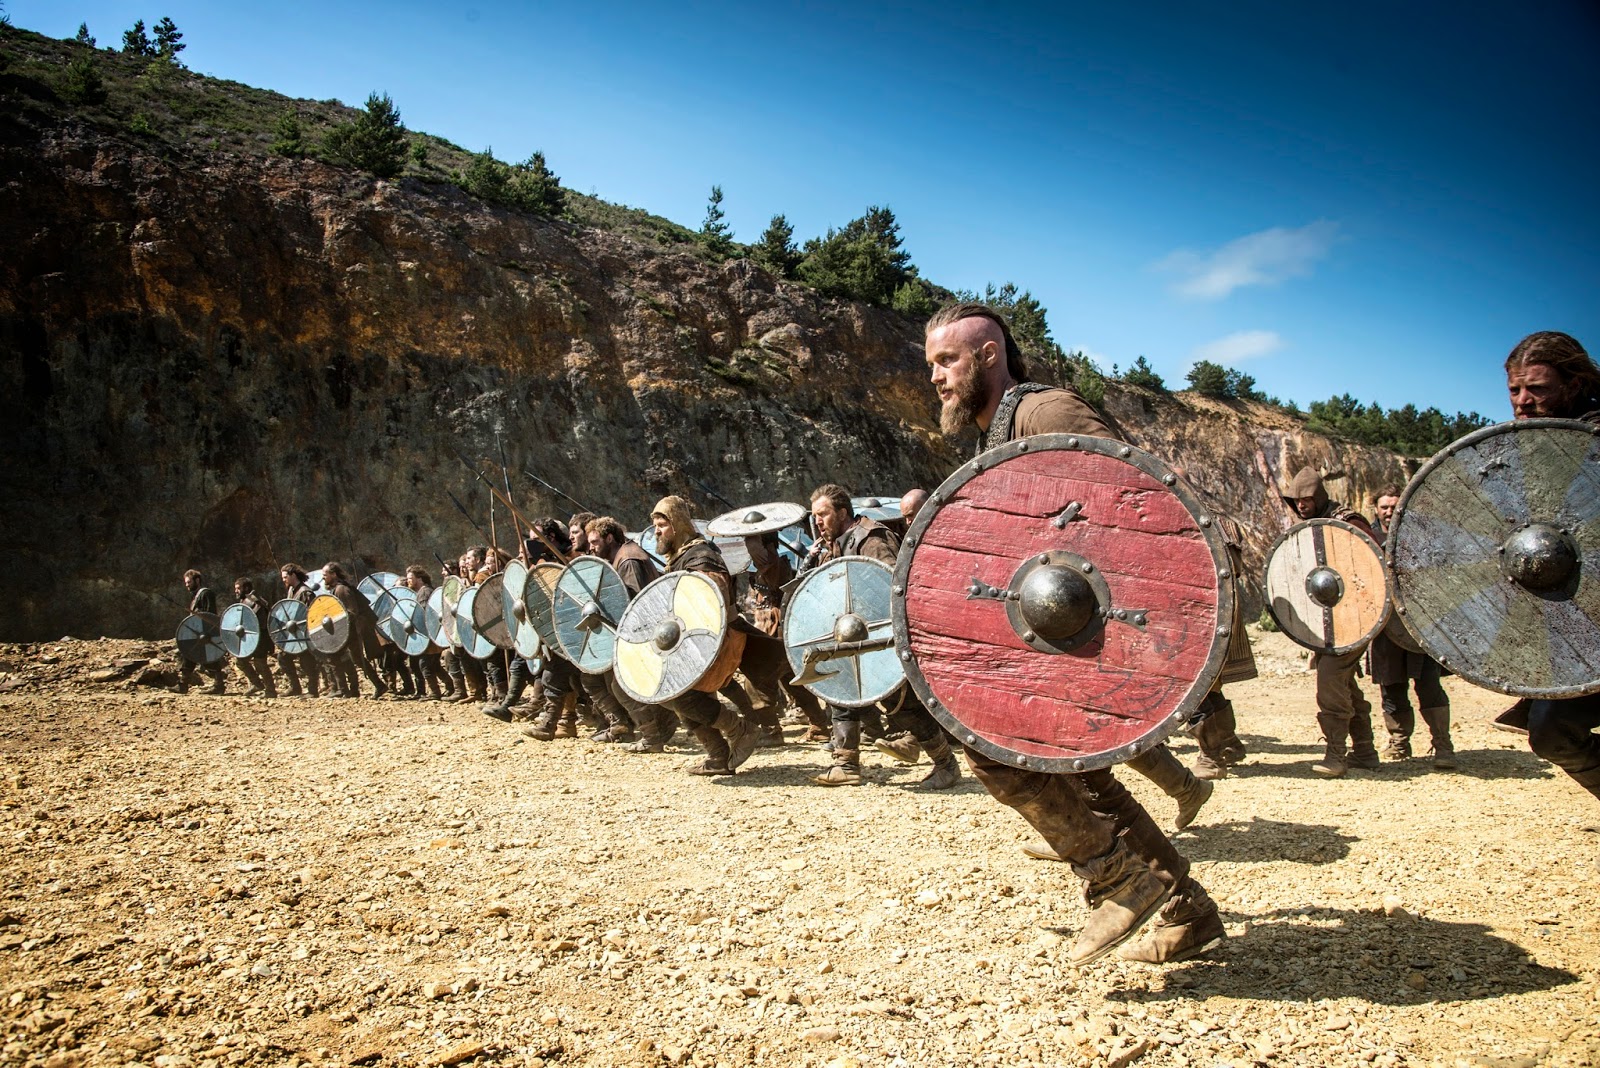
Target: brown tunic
(635,568)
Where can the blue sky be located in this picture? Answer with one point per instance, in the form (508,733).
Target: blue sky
(1373,198)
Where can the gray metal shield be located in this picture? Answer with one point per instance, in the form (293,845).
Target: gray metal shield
(240,630)
(200,639)
(589,602)
(838,631)
(451,590)
(879,508)
(287,623)
(1495,551)
(472,643)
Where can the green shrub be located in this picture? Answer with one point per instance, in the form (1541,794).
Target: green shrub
(83,84)
(1143,375)
(1267,623)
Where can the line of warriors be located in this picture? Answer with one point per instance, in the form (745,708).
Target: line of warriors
(1134,879)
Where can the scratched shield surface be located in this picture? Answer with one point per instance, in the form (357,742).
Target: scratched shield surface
(514,607)
(1495,550)
(488,611)
(287,622)
(1063,602)
(838,632)
(538,597)
(1326,586)
(670,636)
(327,624)
(451,589)
(375,585)
(403,620)
(439,620)
(240,630)
(588,604)
(199,639)
(472,643)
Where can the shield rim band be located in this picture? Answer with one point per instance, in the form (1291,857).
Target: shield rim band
(587,665)
(788,650)
(1453,663)
(1317,526)
(1210,532)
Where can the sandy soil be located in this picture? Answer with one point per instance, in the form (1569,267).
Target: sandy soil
(221,881)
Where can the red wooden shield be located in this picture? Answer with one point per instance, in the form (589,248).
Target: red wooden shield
(1063,602)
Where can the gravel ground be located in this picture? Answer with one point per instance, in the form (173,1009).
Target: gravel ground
(208,881)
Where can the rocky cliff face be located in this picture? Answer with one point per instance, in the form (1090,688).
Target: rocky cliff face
(225,362)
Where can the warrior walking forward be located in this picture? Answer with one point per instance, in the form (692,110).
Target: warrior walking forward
(1130,870)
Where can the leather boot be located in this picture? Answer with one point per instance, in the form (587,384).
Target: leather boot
(1187,926)
(716,761)
(543,728)
(1332,765)
(652,731)
(291,676)
(1205,767)
(1444,750)
(872,727)
(1122,893)
(815,733)
(946,765)
(846,769)
(1176,781)
(1513,720)
(313,680)
(266,681)
(903,747)
(431,677)
(743,736)
(218,686)
(567,722)
(501,709)
(252,676)
(1363,746)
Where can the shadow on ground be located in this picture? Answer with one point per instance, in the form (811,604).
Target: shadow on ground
(1320,953)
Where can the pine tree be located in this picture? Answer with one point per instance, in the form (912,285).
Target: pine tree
(83,37)
(863,261)
(83,84)
(169,42)
(290,139)
(716,234)
(537,188)
(1143,375)
(776,249)
(136,42)
(1209,379)
(373,141)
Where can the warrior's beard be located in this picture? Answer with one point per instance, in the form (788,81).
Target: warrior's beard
(668,543)
(961,410)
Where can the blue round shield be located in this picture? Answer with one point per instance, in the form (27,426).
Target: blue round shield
(839,634)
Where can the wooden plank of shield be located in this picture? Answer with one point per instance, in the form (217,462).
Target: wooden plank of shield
(1326,586)
(1062,601)
(1495,550)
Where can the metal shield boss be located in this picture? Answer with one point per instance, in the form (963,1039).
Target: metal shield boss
(1063,602)
(589,602)
(672,636)
(839,634)
(756,519)
(1326,586)
(1495,551)
(438,616)
(287,622)
(514,608)
(403,620)
(472,643)
(240,630)
(199,639)
(488,611)
(327,624)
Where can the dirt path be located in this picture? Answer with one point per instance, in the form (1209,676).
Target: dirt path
(220,881)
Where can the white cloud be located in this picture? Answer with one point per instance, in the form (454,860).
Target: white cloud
(1100,359)
(1243,345)
(1260,259)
